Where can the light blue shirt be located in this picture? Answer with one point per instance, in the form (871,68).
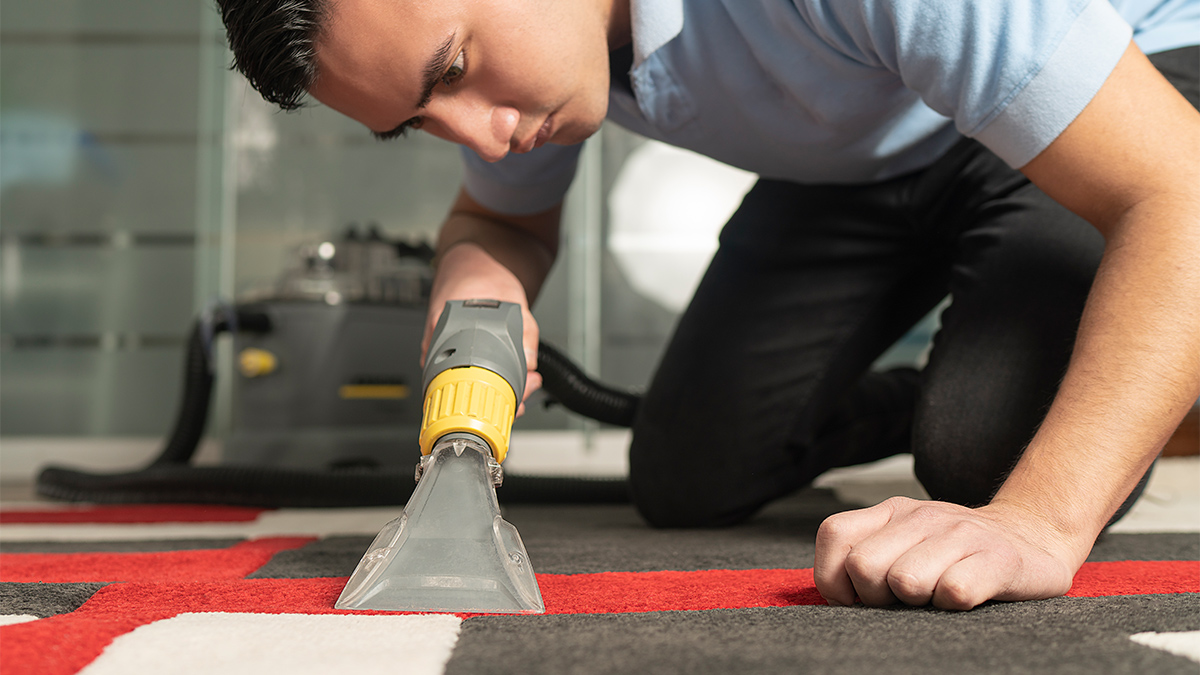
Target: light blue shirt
(852,91)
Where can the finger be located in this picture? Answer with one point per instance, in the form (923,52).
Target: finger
(972,581)
(915,574)
(873,566)
(533,382)
(529,338)
(427,336)
(836,538)
(529,343)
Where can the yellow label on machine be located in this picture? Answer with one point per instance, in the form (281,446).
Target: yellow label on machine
(254,362)
(473,400)
(384,391)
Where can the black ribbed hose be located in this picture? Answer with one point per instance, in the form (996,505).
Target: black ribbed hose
(580,394)
(198,383)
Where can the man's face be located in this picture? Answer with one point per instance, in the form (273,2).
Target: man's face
(494,75)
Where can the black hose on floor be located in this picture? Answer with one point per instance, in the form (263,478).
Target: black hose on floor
(293,488)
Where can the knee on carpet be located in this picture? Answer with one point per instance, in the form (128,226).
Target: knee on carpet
(949,472)
(677,502)
(679,477)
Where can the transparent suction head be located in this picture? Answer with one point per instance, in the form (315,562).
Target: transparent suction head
(450,551)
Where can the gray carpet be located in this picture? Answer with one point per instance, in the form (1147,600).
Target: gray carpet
(586,539)
(1066,635)
(43,600)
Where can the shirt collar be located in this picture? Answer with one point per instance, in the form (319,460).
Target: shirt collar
(654,24)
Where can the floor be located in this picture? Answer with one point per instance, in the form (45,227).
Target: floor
(1171,502)
(212,626)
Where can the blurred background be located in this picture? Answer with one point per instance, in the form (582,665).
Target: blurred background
(142,181)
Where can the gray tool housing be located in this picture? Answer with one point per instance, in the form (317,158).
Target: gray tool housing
(483,333)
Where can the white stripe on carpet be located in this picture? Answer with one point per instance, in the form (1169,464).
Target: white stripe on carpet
(10,619)
(296,644)
(1185,644)
(281,523)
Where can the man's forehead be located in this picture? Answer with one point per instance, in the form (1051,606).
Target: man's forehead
(370,58)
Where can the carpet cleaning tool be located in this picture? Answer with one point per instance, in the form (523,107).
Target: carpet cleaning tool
(451,551)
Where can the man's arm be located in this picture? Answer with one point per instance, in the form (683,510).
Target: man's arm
(485,254)
(1130,165)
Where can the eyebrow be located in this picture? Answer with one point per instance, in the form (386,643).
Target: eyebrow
(434,70)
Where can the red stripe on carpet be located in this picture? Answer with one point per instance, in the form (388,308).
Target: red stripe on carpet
(1136,577)
(136,513)
(619,592)
(234,562)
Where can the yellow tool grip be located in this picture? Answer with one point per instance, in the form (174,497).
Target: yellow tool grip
(473,400)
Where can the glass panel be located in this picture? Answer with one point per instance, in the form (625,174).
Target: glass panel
(112,187)
(90,390)
(93,19)
(86,291)
(124,89)
(304,176)
(99,114)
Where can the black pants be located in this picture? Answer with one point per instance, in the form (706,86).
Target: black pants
(765,383)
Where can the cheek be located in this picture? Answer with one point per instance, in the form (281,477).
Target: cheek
(438,131)
(594,87)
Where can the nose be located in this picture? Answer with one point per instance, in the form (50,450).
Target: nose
(485,128)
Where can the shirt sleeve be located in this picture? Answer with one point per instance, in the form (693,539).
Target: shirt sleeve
(521,184)
(1010,73)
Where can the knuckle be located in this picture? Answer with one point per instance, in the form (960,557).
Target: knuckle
(927,513)
(954,594)
(830,588)
(967,529)
(900,506)
(861,564)
(908,587)
(832,529)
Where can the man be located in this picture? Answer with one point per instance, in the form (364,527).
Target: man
(1023,156)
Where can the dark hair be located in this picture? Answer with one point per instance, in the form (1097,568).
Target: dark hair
(273,43)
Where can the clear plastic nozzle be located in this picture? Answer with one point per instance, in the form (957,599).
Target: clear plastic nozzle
(450,551)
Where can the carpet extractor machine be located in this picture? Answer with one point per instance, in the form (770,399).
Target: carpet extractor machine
(306,393)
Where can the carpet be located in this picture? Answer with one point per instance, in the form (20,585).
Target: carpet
(195,589)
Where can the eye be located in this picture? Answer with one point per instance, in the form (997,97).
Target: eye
(400,131)
(456,70)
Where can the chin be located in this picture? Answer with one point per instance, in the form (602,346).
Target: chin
(578,133)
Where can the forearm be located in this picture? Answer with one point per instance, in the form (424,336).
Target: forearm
(479,253)
(1134,372)
(475,253)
